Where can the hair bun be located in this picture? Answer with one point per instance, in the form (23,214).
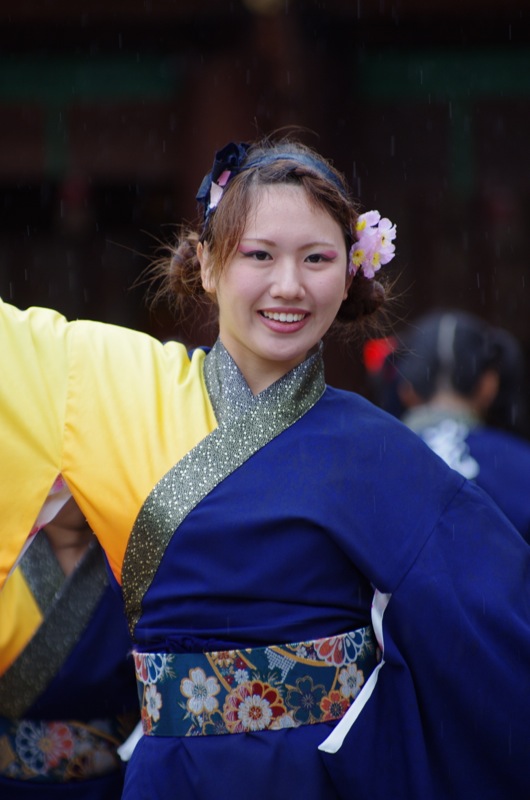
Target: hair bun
(365,297)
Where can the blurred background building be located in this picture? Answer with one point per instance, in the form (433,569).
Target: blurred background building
(110,112)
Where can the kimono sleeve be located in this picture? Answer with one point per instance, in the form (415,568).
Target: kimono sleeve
(447,715)
(33,389)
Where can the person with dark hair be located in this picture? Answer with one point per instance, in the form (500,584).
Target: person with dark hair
(300,572)
(67,687)
(450,371)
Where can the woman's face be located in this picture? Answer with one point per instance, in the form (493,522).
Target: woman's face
(280,292)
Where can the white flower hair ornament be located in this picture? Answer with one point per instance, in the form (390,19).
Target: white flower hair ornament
(374,246)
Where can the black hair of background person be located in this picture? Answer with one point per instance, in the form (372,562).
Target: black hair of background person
(477,347)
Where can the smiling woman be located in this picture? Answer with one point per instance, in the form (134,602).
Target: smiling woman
(281,290)
(284,548)
(286,187)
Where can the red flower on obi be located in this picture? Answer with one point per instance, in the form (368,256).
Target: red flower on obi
(334,706)
(252,706)
(331,650)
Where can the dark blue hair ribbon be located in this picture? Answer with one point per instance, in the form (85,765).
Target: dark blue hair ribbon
(228,159)
(303,159)
(231,160)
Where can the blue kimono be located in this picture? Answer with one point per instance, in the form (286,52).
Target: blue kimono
(278,530)
(495,460)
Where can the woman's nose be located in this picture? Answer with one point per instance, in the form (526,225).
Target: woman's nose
(287,281)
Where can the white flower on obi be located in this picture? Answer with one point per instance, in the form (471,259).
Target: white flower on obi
(153,702)
(351,679)
(201,691)
(255,713)
(241,676)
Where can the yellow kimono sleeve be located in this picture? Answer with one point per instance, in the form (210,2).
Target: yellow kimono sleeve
(108,408)
(33,387)
(20,618)
(135,407)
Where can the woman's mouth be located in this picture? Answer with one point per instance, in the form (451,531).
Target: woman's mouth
(283,316)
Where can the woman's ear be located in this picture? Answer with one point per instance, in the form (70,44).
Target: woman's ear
(349,278)
(204,260)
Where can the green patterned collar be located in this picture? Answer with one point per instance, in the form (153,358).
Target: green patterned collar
(231,396)
(246,423)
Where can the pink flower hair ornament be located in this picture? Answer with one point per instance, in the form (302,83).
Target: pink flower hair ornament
(374,246)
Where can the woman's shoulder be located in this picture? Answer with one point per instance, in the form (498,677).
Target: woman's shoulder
(360,416)
(384,447)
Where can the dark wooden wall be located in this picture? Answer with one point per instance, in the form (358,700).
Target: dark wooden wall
(109,117)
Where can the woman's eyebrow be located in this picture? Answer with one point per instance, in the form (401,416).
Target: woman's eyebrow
(272,242)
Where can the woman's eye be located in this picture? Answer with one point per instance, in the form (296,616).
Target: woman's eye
(258,255)
(317,258)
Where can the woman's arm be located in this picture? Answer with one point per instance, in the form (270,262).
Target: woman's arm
(33,390)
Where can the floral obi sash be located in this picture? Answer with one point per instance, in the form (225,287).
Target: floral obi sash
(254,689)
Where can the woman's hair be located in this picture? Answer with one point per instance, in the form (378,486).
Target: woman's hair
(266,163)
(448,349)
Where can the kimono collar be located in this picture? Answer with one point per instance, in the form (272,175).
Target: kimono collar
(427,416)
(231,396)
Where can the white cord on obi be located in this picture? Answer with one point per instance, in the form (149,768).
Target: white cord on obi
(334,741)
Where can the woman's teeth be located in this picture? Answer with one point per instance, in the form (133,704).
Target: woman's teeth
(283,317)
